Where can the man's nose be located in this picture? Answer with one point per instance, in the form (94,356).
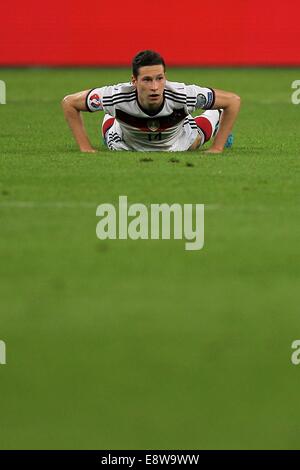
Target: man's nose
(154,85)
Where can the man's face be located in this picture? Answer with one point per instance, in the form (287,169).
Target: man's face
(150,85)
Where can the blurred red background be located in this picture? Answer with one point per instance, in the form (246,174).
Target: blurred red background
(235,32)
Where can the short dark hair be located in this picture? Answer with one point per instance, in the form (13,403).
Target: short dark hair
(144,58)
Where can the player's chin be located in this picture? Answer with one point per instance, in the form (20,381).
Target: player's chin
(154,101)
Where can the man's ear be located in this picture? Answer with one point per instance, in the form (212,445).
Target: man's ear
(133,80)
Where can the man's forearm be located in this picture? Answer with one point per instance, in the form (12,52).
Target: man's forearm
(229,116)
(75,122)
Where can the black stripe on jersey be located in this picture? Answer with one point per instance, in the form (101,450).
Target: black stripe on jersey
(185,100)
(193,126)
(118,95)
(110,142)
(86,100)
(175,92)
(113,137)
(190,104)
(128,100)
(180,96)
(175,101)
(190,121)
(121,98)
(144,124)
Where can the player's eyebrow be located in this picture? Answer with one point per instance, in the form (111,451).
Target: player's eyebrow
(147,77)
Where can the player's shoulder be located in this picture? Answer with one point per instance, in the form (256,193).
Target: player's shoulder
(176,93)
(175,87)
(179,93)
(108,96)
(118,90)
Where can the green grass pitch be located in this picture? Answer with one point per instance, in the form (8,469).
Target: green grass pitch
(141,344)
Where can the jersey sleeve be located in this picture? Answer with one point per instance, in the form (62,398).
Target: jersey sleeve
(108,97)
(200,97)
(94,99)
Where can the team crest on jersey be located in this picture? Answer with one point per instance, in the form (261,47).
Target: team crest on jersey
(95,101)
(153,124)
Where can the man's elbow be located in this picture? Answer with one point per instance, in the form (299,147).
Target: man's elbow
(66,101)
(233,103)
(236,100)
(68,106)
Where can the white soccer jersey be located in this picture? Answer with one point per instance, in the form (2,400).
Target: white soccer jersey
(172,128)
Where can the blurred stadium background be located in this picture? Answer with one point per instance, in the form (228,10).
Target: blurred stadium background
(136,345)
(247,32)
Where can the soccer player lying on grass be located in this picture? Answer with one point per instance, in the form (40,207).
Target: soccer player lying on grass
(151,113)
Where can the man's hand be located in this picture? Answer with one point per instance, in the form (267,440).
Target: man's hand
(213,150)
(91,150)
